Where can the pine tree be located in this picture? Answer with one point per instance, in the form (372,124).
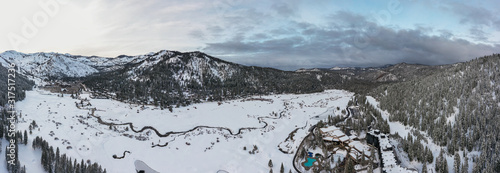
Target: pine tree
(23,169)
(25,141)
(19,136)
(44,160)
(75,166)
(282,169)
(424,168)
(456,162)
(441,163)
(438,166)
(69,166)
(429,155)
(444,168)
(465,165)
(83,167)
(270,163)
(349,167)
(1,130)
(57,155)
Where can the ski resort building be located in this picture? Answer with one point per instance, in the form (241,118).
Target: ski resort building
(337,140)
(334,136)
(385,151)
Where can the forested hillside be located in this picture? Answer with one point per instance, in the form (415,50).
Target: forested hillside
(458,107)
(174,78)
(22,84)
(167,78)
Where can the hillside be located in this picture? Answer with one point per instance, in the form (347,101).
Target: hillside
(21,85)
(167,78)
(388,73)
(458,107)
(175,78)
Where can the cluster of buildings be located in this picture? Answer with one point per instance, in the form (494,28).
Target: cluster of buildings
(64,87)
(385,149)
(349,145)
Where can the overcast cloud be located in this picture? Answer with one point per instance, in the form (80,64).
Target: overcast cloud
(281,34)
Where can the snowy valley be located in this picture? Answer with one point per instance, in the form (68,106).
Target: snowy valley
(189,112)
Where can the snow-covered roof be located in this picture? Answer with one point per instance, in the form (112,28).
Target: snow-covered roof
(333,133)
(390,165)
(360,147)
(337,133)
(329,138)
(344,138)
(328,129)
(354,155)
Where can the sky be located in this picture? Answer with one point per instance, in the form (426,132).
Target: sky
(283,34)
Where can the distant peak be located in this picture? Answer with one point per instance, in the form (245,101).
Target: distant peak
(11,52)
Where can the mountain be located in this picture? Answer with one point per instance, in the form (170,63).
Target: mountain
(176,78)
(387,73)
(47,65)
(56,66)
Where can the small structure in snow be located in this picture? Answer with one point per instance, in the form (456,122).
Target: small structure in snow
(142,167)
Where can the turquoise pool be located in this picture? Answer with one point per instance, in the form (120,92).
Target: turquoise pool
(309,162)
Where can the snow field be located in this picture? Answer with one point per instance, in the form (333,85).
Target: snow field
(63,125)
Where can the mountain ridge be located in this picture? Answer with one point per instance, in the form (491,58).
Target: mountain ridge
(197,76)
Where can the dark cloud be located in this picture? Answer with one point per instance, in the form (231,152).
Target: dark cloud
(349,40)
(215,29)
(197,34)
(260,36)
(475,15)
(478,34)
(283,9)
(446,34)
(348,19)
(244,18)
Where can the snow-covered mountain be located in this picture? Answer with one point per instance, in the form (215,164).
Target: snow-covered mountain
(170,76)
(44,65)
(187,66)
(56,65)
(182,67)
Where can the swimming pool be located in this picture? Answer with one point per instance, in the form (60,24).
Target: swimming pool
(309,162)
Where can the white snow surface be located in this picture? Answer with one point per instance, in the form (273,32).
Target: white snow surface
(201,150)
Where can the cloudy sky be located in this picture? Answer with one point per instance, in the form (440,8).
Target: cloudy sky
(287,34)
